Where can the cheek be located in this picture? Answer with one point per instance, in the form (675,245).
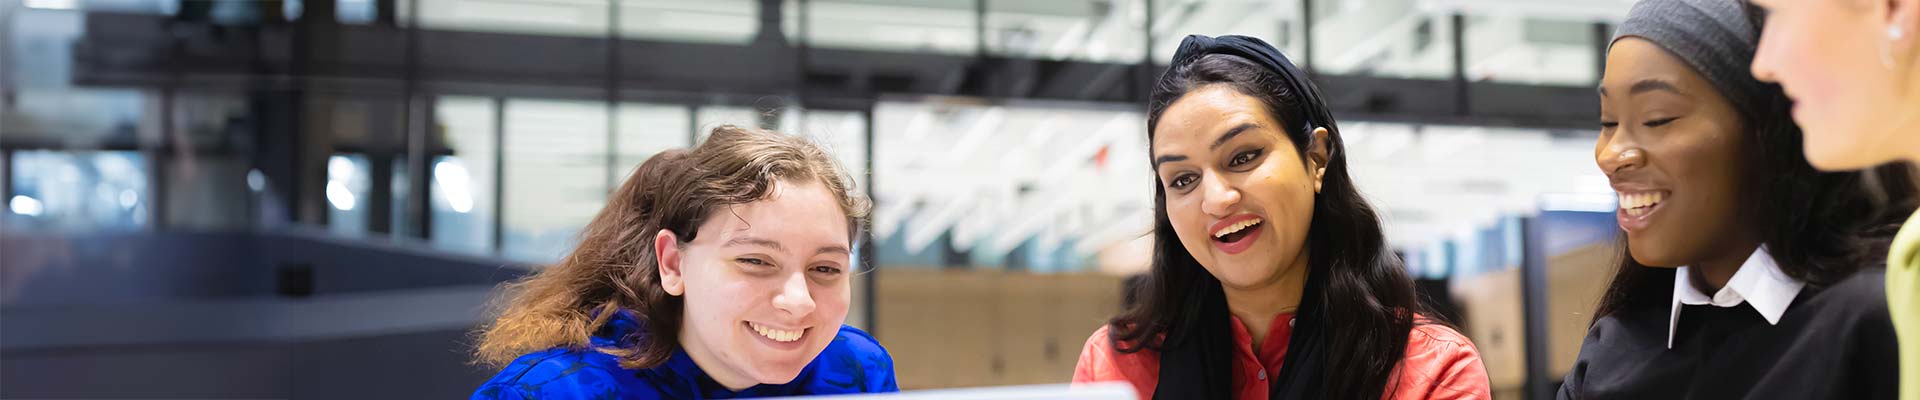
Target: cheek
(1188,221)
(831,300)
(720,298)
(1288,192)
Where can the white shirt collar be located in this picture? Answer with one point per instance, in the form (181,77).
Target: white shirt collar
(1758,282)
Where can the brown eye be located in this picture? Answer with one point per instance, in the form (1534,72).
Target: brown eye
(1181,181)
(1243,158)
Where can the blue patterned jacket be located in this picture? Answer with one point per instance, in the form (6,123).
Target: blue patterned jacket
(853,363)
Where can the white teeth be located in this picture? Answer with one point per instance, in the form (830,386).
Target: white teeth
(1236,227)
(776,334)
(1630,201)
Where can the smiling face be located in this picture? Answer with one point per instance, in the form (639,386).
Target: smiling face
(1832,57)
(765,284)
(1238,194)
(1671,145)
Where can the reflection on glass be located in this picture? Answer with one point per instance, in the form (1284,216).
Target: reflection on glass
(647,129)
(556,175)
(462,183)
(77,191)
(535,17)
(946,27)
(708,117)
(1511,48)
(1389,38)
(842,133)
(346,191)
(1092,30)
(38,53)
(710,21)
(355,11)
(1039,187)
(1276,22)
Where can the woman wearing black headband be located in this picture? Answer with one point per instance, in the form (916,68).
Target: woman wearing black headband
(1270,277)
(1746,273)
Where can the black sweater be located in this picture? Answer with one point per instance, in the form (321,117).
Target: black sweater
(1833,343)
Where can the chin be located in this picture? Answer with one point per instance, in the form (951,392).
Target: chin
(1242,273)
(776,373)
(1653,259)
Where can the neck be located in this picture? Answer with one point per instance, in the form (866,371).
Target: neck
(1256,307)
(710,364)
(1712,274)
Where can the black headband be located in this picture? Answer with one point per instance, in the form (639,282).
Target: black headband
(1264,55)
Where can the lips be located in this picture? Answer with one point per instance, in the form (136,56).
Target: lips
(1637,208)
(1236,234)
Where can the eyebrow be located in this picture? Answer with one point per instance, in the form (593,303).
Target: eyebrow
(769,243)
(1217,142)
(1236,131)
(1648,85)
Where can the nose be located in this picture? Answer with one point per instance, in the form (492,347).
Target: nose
(1618,152)
(794,297)
(1762,66)
(1220,197)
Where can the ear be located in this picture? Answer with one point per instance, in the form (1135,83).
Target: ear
(666,249)
(1318,153)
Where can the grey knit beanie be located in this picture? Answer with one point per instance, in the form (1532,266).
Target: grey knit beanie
(1714,36)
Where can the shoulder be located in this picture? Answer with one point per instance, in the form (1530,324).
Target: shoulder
(1101,362)
(1099,349)
(1097,342)
(555,373)
(1437,338)
(859,345)
(1855,301)
(1441,363)
(853,363)
(1865,289)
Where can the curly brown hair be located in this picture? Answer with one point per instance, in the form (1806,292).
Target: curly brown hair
(614,267)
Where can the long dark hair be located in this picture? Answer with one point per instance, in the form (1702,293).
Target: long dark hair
(1355,287)
(1819,227)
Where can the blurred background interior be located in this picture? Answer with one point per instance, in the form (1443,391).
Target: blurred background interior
(313,198)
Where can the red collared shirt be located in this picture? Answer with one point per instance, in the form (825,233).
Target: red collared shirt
(1439,364)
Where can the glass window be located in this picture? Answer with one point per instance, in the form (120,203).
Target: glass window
(1518,49)
(1042,186)
(708,117)
(711,21)
(207,191)
(647,129)
(348,185)
(1396,39)
(462,189)
(842,133)
(78,191)
(38,45)
(537,17)
(1092,30)
(1276,22)
(946,27)
(355,11)
(556,175)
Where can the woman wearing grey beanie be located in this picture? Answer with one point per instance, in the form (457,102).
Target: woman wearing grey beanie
(1746,273)
(1853,69)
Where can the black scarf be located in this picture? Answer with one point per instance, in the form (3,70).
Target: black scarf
(1196,360)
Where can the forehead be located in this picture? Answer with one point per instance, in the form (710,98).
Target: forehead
(1633,59)
(1205,112)
(797,214)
